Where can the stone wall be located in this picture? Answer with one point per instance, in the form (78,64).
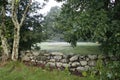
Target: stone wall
(59,60)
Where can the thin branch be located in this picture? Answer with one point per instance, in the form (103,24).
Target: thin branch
(13,8)
(25,13)
(14,14)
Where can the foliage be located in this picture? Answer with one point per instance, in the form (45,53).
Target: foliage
(28,36)
(110,71)
(92,21)
(49,25)
(31,31)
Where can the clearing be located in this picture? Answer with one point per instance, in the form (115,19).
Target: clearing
(82,47)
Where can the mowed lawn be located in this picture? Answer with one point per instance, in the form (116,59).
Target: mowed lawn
(82,47)
(18,71)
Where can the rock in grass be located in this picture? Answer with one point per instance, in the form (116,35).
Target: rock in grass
(74,58)
(80,68)
(75,64)
(83,63)
(56,53)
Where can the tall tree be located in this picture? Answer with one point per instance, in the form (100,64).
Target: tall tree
(49,24)
(31,30)
(5,46)
(27,23)
(17,26)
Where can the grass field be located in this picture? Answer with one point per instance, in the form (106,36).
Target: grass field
(18,71)
(82,47)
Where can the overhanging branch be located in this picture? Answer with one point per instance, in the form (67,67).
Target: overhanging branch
(25,13)
(14,14)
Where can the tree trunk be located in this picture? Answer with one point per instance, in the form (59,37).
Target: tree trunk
(5,45)
(17,26)
(16,43)
(5,54)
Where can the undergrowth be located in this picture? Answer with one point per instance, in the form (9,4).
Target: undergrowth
(19,71)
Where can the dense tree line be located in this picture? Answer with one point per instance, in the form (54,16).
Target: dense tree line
(20,27)
(94,20)
(49,25)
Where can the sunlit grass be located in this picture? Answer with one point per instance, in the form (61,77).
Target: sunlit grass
(81,48)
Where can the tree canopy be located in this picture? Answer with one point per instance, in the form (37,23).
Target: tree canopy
(22,25)
(49,25)
(96,20)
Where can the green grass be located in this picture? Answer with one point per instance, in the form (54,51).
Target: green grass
(86,48)
(83,50)
(18,71)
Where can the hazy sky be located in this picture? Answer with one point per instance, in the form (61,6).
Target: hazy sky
(48,6)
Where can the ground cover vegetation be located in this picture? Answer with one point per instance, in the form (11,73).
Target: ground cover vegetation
(17,70)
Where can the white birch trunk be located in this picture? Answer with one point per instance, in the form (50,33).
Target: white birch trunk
(4,42)
(16,43)
(17,27)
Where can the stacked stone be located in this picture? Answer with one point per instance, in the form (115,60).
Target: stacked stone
(59,60)
(73,62)
(83,62)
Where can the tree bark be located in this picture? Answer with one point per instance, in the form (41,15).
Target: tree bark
(17,26)
(5,45)
(16,43)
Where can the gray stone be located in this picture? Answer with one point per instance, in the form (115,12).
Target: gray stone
(65,65)
(27,51)
(83,63)
(82,57)
(48,57)
(72,69)
(26,58)
(74,58)
(80,69)
(57,53)
(52,60)
(91,63)
(36,53)
(58,57)
(51,64)
(68,56)
(29,54)
(92,57)
(43,58)
(70,63)
(59,64)
(64,56)
(87,67)
(87,59)
(40,62)
(33,60)
(32,57)
(75,64)
(47,54)
(64,61)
